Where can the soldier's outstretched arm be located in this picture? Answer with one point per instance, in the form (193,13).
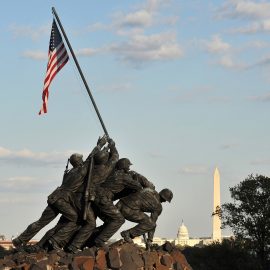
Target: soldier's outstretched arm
(154,216)
(142,180)
(100,143)
(114,155)
(132,184)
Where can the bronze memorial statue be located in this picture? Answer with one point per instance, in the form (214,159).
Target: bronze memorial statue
(91,188)
(111,179)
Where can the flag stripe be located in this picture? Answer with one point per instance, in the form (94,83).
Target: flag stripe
(52,67)
(54,55)
(57,58)
(57,49)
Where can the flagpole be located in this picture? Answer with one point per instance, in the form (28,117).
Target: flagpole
(80,71)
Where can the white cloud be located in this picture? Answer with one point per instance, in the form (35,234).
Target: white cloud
(261,26)
(22,179)
(36,55)
(245,9)
(258,44)
(15,200)
(153,5)
(227,61)
(155,155)
(125,33)
(257,13)
(137,47)
(194,169)
(228,146)
(252,9)
(4,152)
(262,98)
(170,20)
(28,157)
(29,31)
(87,52)
(25,184)
(142,48)
(219,99)
(197,93)
(123,87)
(97,27)
(145,15)
(216,45)
(260,162)
(18,182)
(264,61)
(140,18)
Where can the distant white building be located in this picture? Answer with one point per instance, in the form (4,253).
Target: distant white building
(183,238)
(156,240)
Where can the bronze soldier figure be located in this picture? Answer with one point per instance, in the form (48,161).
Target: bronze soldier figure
(120,183)
(62,200)
(104,164)
(133,208)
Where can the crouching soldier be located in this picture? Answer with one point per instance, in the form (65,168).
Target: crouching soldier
(134,208)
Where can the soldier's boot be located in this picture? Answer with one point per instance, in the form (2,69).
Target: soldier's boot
(17,242)
(72,249)
(126,236)
(101,244)
(32,248)
(54,245)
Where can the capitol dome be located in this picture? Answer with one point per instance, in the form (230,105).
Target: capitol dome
(182,232)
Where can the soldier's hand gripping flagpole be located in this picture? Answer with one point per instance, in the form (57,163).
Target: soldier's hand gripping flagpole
(86,195)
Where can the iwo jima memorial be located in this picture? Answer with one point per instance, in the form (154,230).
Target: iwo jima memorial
(100,186)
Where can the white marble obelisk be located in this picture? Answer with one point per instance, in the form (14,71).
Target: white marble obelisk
(216,219)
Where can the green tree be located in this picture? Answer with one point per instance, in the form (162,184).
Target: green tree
(249,216)
(228,255)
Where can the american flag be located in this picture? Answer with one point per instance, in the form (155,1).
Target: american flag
(58,57)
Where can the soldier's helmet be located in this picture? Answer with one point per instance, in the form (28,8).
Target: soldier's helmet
(76,159)
(101,157)
(123,163)
(166,194)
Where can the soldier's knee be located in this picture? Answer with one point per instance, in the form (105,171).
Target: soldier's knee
(91,223)
(73,217)
(152,224)
(119,205)
(35,225)
(118,218)
(121,220)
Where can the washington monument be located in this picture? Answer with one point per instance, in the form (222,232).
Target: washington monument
(216,219)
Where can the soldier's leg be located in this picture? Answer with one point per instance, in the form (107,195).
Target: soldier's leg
(91,240)
(69,224)
(145,223)
(114,220)
(84,232)
(43,242)
(46,217)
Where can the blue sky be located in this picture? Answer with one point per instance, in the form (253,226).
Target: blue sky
(182,86)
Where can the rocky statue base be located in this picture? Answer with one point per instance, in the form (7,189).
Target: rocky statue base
(119,255)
